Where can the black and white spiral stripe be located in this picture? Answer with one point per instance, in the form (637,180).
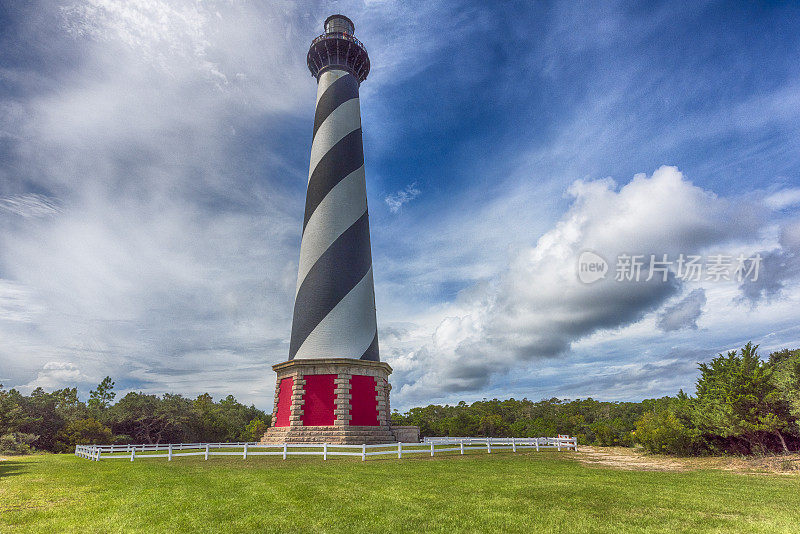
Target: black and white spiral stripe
(334,309)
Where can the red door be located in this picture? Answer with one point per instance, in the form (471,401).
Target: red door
(363,401)
(284,402)
(319,400)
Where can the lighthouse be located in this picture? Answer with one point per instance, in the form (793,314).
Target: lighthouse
(333,388)
(334,309)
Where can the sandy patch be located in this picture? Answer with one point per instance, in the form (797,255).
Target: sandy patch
(629,459)
(638,460)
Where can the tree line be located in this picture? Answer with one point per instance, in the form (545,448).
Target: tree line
(59,420)
(741,405)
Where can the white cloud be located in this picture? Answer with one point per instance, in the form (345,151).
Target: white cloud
(29,205)
(17,303)
(167,146)
(57,375)
(154,29)
(396,200)
(158,246)
(783,199)
(538,307)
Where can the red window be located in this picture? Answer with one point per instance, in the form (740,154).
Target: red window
(318,400)
(284,402)
(363,401)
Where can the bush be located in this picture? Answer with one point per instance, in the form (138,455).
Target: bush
(83,432)
(17,443)
(664,433)
(254,430)
(611,433)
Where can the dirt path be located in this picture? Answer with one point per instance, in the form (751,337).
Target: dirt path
(625,458)
(638,460)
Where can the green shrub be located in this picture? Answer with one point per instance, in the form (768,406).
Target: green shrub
(611,433)
(17,443)
(254,430)
(83,432)
(663,432)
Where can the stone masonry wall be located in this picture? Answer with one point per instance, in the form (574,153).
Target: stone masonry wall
(344,369)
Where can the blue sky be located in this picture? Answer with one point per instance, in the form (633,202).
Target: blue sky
(153,159)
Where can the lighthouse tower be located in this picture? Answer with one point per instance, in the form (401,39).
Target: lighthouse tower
(334,309)
(334,388)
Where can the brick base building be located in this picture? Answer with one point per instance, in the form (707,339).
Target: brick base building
(334,400)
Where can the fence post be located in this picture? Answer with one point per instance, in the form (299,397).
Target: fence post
(244,455)
(364,452)
(513,445)
(537,444)
(558,444)
(488,445)
(431,448)
(133,454)
(324,451)
(575,441)
(284,451)
(97,459)
(462,446)
(399,449)
(169,453)
(207,446)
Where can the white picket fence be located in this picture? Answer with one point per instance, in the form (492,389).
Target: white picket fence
(429,446)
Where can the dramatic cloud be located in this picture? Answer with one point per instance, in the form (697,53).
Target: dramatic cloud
(153,186)
(155,256)
(683,314)
(539,307)
(778,266)
(154,159)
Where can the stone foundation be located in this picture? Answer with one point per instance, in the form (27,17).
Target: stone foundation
(406,434)
(320,410)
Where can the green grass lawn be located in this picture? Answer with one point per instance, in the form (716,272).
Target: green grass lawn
(503,492)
